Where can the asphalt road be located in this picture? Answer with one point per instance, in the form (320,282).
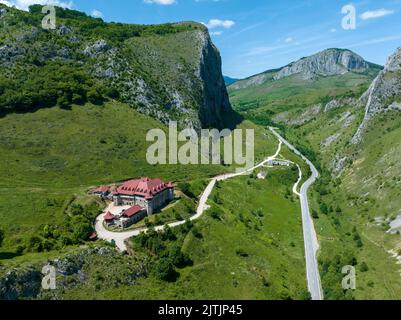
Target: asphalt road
(310,237)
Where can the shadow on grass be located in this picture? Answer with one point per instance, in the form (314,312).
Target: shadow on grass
(8,255)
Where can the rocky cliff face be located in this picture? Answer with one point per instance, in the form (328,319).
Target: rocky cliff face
(213,100)
(326,63)
(384,94)
(169,72)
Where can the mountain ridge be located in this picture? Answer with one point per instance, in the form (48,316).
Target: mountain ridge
(310,69)
(134,64)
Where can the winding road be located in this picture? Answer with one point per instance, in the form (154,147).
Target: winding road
(310,238)
(119,238)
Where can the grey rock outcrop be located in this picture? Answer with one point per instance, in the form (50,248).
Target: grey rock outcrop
(97,48)
(252,81)
(20,284)
(377,98)
(326,63)
(341,102)
(213,100)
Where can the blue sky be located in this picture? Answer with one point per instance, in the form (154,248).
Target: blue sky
(256,35)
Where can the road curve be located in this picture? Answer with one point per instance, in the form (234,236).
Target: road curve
(119,238)
(310,237)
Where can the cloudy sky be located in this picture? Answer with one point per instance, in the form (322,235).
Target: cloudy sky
(256,35)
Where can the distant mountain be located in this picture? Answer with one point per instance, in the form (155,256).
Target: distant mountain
(229,80)
(310,81)
(330,62)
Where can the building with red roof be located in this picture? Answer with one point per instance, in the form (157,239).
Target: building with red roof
(131,216)
(150,194)
(102,191)
(109,218)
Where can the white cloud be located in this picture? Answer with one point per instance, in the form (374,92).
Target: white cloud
(161,2)
(288,40)
(96,13)
(375,41)
(333,30)
(376,14)
(24,4)
(217,23)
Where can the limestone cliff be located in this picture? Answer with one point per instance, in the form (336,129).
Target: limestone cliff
(169,72)
(326,63)
(383,94)
(213,100)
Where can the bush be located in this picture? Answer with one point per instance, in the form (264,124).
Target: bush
(95,97)
(186,189)
(364,267)
(178,258)
(242,253)
(315,215)
(164,270)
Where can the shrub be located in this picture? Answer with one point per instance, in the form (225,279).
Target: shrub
(178,258)
(94,96)
(364,267)
(164,270)
(242,253)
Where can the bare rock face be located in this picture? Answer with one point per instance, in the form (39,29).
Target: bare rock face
(252,81)
(326,63)
(214,101)
(95,49)
(382,92)
(341,102)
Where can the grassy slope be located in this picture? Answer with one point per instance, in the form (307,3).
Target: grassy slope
(54,154)
(272,269)
(368,189)
(362,196)
(294,94)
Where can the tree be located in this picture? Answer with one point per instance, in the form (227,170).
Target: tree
(164,270)
(324,208)
(95,97)
(178,258)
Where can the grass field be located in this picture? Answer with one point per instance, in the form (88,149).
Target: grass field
(251,249)
(53,156)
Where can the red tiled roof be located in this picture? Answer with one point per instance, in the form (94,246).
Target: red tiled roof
(93,236)
(109,216)
(144,187)
(102,189)
(132,211)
